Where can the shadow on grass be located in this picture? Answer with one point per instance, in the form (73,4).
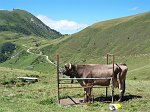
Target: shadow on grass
(116,97)
(129,97)
(103,99)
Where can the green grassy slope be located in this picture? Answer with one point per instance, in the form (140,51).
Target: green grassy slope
(23,22)
(20,58)
(122,36)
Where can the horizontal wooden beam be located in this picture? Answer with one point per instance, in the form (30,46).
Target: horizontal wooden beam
(85,78)
(83,87)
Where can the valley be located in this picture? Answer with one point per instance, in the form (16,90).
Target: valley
(35,56)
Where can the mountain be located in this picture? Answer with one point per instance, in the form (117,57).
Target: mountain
(122,36)
(126,37)
(23,22)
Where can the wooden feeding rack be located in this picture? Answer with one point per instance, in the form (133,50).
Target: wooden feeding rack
(60,79)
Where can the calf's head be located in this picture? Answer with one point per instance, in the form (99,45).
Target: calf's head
(69,70)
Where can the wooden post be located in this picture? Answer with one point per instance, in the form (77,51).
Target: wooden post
(58,79)
(106,91)
(113,80)
(112,98)
(107,58)
(106,87)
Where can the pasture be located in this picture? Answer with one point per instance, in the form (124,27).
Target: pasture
(16,96)
(42,96)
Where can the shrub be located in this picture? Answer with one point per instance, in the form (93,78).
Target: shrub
(8,47)
(3,57)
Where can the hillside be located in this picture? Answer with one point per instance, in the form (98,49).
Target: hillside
(123,36)
(20,58)
(127,37)
(23,22)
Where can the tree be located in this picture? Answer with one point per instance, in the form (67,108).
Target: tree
(3,57)
(6,51)
(8,47)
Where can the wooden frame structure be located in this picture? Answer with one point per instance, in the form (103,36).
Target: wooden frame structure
(59,79)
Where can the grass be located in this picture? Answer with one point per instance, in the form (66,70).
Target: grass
(21,58)
(42,96)
(29,62)
(88,46)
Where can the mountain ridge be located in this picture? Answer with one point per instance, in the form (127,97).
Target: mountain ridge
(23,22)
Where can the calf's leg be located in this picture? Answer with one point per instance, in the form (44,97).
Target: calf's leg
(122,90)
(87,92)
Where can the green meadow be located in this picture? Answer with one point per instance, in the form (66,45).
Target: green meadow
(42,96)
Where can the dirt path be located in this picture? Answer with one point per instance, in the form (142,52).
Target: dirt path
(46,57)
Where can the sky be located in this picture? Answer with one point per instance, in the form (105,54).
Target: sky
(71,16)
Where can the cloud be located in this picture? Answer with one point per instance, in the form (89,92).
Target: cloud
(63,26)
(134,8)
